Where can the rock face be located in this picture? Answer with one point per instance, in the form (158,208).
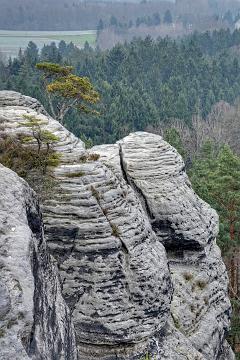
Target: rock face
(116,226)
(34,319)
(187,227)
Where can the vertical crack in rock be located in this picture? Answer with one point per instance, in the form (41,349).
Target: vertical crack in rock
(133,185)
(112,226)
(183,222)
(174,242)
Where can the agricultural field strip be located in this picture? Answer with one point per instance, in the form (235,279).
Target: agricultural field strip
(11,41)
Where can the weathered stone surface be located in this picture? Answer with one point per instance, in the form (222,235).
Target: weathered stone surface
(156,172)
(187,227)
(200,306)
(115,275)
(12,111)
(34,319)
(172,344)
(13,98)
(106,227)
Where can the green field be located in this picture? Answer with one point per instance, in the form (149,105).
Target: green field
(12,41)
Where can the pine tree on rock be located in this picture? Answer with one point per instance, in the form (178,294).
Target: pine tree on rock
(66,91)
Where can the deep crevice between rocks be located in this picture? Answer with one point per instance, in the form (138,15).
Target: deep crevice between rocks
(174,242)
(42,264)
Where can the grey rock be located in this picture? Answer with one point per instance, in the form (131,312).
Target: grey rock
(34,319)
(187,227)
(13,108)
(114,272)
(172,344)
(5,301)
(13,98)
(157,173)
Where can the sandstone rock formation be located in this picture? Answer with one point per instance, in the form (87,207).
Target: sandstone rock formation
(187,227)
(114,226)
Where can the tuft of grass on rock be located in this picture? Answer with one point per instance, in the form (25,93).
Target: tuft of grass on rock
(11,323)
(115,230)
(149,357)
(206,300)
(2,333)
(201,284)
(89,157)
(187,276)
(93,157)
(95,193)
(75,174)
(176,322)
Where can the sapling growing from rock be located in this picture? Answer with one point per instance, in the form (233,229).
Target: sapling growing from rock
(44,139)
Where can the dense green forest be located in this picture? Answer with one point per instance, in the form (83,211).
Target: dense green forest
(143,83)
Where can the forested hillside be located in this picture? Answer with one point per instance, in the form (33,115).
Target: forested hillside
(142,83)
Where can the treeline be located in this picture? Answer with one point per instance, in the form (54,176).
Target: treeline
(190,21)
(229,19)
(176,23)
(148,20)
(79,14)
(115,32)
